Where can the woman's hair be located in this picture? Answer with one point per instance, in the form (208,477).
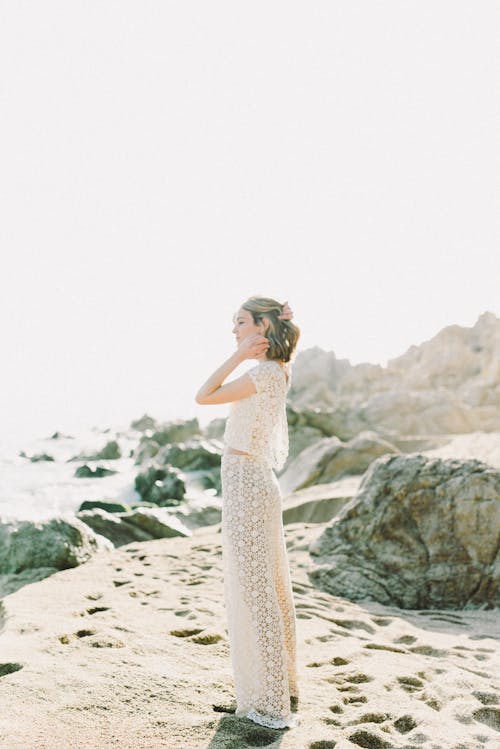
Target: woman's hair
(283,335)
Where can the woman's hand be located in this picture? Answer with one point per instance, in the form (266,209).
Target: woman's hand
(287,313)
(253,346)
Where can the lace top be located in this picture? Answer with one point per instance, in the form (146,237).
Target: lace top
(258,424)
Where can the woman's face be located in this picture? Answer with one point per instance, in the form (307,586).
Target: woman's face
(244,325)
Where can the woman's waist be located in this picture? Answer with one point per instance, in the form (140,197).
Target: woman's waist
(230,452)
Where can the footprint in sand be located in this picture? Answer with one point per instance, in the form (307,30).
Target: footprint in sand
(99,641)
(490,716)
(487,698)
(405,640)
(336,709)
(405,723)
(92,610)
(410,683)
(429,650)
(9,668)
(368,739)
(354,700)
(354,624)
(376,646)
(66,639)
(201,639)
(373,718)
(381,621)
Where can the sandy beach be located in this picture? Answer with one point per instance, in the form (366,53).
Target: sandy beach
(130,650)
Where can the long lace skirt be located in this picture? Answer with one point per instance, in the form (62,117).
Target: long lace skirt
(258,593)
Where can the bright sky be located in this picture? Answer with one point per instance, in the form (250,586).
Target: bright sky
(163,161)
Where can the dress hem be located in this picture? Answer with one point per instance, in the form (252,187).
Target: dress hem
(268,721)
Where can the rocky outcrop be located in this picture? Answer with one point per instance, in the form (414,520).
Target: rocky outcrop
(86,472)
(102,504)
(175,431)
(56,543)
(138,525)
(421,533)
(330,459)
(38,457)
(144,424)
(110,451)
(449,384)
(194,455)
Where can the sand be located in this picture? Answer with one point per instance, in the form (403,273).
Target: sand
(130,650)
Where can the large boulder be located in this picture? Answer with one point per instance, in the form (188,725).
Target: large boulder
(330,459)
(349,458)
(421,533)
(57,543)
(448,384)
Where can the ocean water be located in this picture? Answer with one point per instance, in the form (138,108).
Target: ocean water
(40,490)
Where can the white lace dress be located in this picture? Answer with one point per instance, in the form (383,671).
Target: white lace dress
(258,590)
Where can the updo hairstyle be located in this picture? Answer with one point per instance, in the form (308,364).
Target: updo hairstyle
(283,335)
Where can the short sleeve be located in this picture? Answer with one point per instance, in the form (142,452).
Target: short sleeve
(264,376)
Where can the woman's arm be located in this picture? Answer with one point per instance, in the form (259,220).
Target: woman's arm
(212,391)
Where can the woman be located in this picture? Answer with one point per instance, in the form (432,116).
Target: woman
(258,590)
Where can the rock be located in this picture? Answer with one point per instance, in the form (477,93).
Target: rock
(195,455)
(158,522)
(315,377)
(420,533)
(403,411)
(176,431)
(10,582)
(110,451)
(56,543)
(319,504)
(145,451)
(144,424)
(330,459)
(199,517)
(299,469)
(349,458)
(162,485)
(37,458)
(86,472)
(111,526)
(138,525)
(109,506)
(448,384)
(215,429)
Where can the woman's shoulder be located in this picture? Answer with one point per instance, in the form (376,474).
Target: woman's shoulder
(274,368)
